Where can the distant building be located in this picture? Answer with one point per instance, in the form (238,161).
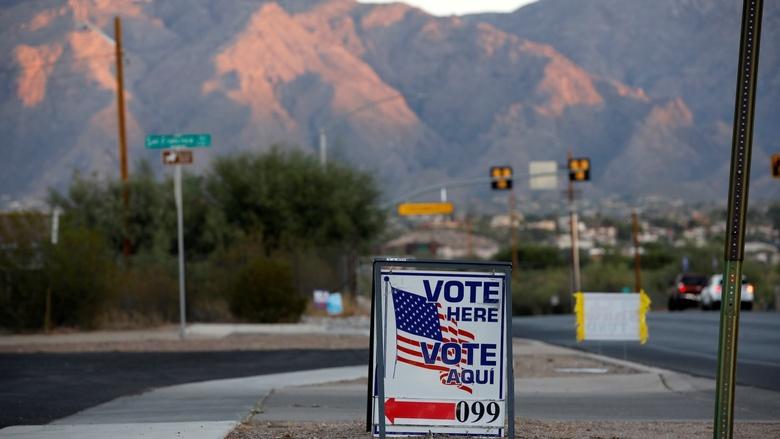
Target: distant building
(503,222)
(444,244)
(762,252)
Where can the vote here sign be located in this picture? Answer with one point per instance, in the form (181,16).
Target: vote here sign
(444,335)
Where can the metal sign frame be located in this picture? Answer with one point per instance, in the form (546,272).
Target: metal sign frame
(376,344)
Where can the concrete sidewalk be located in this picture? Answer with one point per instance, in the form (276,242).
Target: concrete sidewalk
(209,410)
(205,410)
(648,394)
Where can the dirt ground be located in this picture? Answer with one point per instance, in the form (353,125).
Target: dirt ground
(524,428)
(229,343)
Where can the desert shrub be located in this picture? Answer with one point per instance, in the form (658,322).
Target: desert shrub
(264,291)
(79,270)
(75,272)
(145,292)
(532,291)
(22,290)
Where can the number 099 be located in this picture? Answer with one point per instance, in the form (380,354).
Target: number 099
(477,411)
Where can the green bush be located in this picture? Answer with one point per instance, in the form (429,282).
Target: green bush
(22,291)
(79,269)
(144,293)
(264,291)
(533,291)
(75,271)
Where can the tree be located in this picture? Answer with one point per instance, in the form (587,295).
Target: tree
(290,201)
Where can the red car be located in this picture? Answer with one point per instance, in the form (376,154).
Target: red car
(685,291)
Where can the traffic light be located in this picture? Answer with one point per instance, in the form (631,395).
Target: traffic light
(501,178)
(776,165)
(579,169)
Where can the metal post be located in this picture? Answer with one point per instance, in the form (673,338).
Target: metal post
(510,373)
(742,142)
(55,233)
(323,148)
(637,257)
(180,225)
(380,359)
(375,285)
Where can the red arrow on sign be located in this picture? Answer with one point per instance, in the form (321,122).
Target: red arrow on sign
(418,410)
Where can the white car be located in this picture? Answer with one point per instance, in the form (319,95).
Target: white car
(710,294)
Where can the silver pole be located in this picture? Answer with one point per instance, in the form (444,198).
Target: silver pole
(323,147)
(55,225)
(180,224)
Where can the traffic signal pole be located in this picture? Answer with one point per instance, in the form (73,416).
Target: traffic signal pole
(742,142)
(574,227)
(513,230)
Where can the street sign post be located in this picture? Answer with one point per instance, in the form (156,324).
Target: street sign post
(741,146)
(176,157)
(441,349)
(162,141)
(413,209)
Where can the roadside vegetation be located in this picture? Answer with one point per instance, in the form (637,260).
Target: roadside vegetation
(261,231)
(541,284)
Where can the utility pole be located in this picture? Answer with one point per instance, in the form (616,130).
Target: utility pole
(637,261)
(515,261)
(741,145)
(120,102)
(574,226)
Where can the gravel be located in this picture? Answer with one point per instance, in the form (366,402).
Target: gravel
(524,428)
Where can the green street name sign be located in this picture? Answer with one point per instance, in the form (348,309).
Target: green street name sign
(161,141)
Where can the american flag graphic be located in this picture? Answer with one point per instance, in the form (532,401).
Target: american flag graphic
(419,321)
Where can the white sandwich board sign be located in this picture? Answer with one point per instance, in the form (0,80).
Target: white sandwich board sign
(441,343)
(611,316)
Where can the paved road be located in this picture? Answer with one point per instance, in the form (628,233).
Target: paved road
(38,388)
(683,341)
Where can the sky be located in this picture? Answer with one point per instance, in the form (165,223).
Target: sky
(459,7)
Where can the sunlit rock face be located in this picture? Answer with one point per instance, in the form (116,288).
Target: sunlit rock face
(643,88)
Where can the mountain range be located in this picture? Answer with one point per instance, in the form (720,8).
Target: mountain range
(643,88)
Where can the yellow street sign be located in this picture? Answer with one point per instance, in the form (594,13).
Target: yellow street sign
(776,165)
(409,209)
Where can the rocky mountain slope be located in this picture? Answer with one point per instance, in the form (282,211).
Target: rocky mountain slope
(643,88)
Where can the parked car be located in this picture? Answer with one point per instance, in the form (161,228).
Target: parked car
(685,289)
(710,294)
